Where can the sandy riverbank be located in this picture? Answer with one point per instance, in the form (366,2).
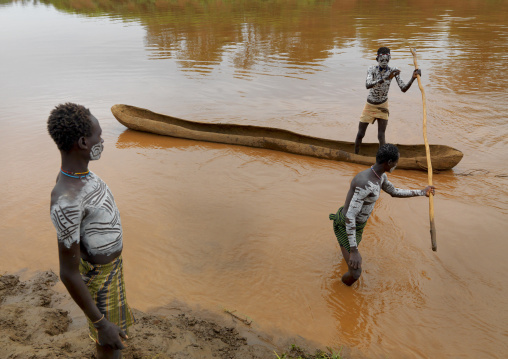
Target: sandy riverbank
(35,322)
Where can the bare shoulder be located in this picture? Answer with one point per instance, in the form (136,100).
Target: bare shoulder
(361,179)
(65,191)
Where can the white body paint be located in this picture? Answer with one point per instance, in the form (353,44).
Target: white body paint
(96,151)
(90,217)
(363,201)
(379,93)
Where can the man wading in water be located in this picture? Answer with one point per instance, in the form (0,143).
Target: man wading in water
(378,82)
(350,220)
(89,230)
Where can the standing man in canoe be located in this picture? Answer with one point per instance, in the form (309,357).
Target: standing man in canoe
(89,230)
(350,220)
(378,83)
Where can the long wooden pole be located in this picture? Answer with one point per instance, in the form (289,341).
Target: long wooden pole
(429,162)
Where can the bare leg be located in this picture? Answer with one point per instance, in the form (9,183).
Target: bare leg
(381,129)
(362,127)
(107,353)
(352,275)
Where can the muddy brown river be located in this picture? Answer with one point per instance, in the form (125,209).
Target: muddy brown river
(220,226)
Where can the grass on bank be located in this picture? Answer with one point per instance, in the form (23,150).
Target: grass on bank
(295,352)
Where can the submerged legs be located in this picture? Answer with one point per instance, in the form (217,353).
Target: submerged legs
(352,275)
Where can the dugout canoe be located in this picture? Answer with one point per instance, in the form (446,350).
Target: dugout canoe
(411,156)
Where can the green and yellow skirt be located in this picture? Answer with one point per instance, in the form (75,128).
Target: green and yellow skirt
(339,227)
(106,284)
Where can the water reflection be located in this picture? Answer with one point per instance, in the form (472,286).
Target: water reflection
(349,308)
(390,280)
(202,34)
(457,185)
(141,141)
(137,139)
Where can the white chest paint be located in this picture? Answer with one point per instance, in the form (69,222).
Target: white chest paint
(90,218)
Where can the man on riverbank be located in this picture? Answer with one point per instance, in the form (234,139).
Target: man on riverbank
(89,230)
(351,219)
(378,83)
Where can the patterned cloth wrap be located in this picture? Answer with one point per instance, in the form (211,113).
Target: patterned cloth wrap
(339,227)
(107,287)
(371,112)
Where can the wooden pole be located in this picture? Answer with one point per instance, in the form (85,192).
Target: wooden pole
(429,162)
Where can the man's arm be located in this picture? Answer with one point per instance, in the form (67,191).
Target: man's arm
(108,333)
(405,87)
(354,208)
(66,218)
(71,278)
(389,188)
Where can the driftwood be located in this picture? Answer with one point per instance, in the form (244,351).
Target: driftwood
(243,320)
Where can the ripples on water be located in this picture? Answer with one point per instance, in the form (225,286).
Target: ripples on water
(218,225)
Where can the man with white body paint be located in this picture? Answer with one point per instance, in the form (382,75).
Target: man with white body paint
(350,220)
(378,83)
(89,230)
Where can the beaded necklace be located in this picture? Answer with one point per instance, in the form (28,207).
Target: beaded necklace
(75,174)
(372,168)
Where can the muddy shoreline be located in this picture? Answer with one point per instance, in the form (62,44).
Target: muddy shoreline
(35,323)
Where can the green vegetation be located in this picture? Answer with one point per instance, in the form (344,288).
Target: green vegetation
(295,352)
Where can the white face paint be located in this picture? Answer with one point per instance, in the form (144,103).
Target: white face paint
(392,169)
(383,60)
(96,151)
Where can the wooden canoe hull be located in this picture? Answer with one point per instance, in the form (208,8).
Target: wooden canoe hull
(411,156)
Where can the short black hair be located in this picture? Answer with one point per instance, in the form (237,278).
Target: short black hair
(386,153)
(383,50)
(67,123)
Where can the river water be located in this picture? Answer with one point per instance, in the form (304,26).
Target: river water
(247,229)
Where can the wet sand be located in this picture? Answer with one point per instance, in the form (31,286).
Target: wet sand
(39,321)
